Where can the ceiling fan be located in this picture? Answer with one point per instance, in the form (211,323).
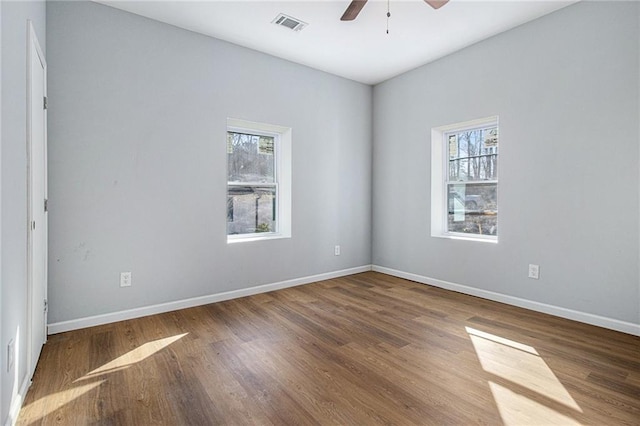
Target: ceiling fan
(356,6)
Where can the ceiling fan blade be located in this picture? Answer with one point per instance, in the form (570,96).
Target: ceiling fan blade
(436,4)
(352,11)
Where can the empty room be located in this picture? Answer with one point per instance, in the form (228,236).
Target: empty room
(410,212)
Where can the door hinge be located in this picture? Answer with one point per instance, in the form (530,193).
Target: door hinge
(46,306)
(33,225)
(44,103)
(46,204)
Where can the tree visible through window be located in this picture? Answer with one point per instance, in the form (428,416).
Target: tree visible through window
(464,180)
(472,180)
(252,184)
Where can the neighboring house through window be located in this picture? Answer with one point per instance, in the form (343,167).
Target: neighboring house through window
(464,180)
(258,181)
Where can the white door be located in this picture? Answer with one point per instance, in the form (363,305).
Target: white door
(37,176)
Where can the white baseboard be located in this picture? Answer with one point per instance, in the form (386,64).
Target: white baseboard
(60,327)
(17,400)
(610,323)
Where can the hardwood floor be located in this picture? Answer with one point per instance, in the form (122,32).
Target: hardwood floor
(360,350)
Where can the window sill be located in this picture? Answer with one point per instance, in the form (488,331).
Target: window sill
(480,238)
(232,239)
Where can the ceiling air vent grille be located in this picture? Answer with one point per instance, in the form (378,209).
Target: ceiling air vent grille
(289,22)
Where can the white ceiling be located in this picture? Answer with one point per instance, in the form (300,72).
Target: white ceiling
(360,50)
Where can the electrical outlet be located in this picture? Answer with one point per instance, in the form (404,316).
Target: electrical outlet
(534,271)
(11,355)
(125,279)
(336,250)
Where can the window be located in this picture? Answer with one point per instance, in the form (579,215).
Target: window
(464,180)
(258,181)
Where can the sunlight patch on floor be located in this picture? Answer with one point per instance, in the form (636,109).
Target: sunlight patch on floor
(516,409)
(44,406)
(501,340)
(521,365)
(132,357)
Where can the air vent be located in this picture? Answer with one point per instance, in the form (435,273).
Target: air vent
(289,22)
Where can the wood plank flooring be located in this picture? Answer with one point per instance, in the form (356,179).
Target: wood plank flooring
(366,349)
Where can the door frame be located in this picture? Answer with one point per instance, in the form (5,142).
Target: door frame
(33,47)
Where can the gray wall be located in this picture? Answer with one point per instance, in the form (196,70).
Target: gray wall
(14,190)
(137,161)
(566,88)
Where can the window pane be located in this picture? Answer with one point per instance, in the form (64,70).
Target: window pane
(252,209)
(473,154)
(473,208)
(250,158)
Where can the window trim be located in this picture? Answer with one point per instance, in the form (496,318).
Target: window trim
(282,141)
(440,179)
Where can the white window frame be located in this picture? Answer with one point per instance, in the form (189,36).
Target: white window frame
(282,150)
(440,179)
